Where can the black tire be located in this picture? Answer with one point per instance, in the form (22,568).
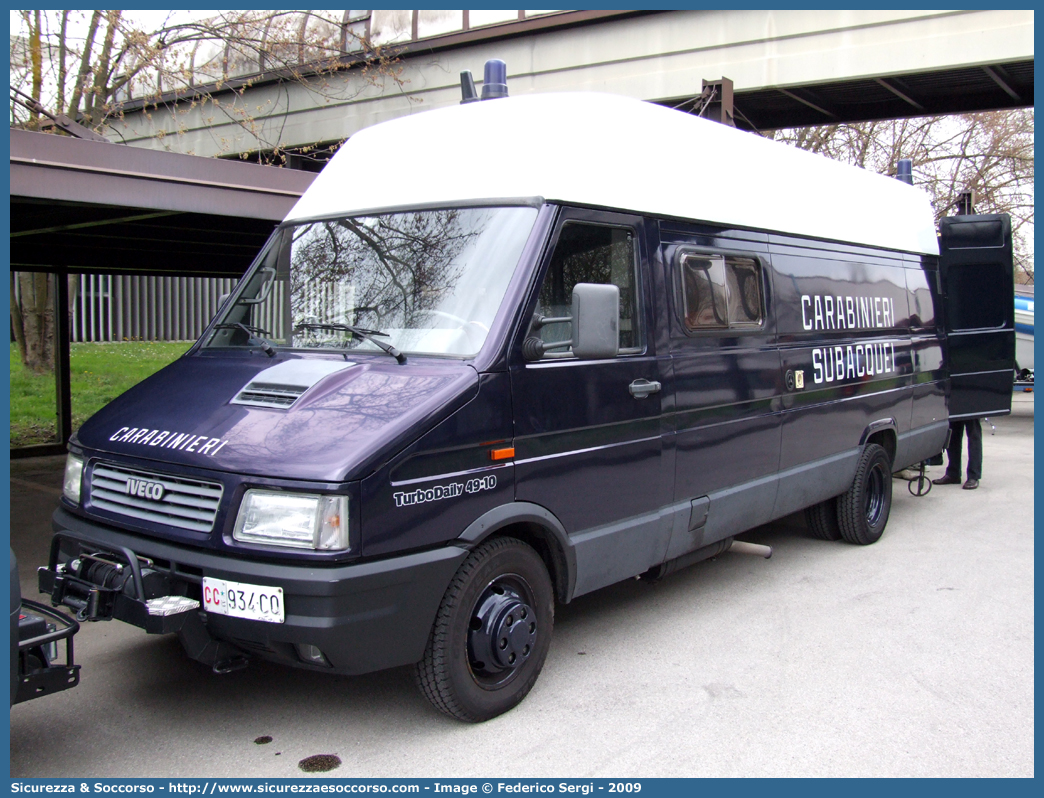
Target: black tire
(491,634)
(862,510)
(822,520)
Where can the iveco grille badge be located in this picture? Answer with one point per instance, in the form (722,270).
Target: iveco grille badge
(144,489)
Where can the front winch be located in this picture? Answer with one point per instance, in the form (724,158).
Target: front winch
(113,582)
(104,582)
(99,578)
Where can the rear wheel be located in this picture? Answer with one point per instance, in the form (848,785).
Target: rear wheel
(491,634)
(862,510)
(822,520)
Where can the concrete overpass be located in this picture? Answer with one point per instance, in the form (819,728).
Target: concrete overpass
(789,68)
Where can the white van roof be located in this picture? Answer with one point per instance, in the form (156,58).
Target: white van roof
(615,152)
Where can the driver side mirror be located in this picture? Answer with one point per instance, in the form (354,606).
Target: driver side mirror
(594,323)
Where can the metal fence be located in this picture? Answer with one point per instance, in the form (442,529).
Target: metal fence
(107,308)
(139,308)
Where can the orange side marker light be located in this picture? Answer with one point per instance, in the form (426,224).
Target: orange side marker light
(502,454)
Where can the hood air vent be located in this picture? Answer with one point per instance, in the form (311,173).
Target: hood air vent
(262,394)
(283,384)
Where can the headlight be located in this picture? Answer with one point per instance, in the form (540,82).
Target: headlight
(73,476)
(298,520)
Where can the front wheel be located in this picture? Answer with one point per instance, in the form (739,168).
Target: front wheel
(862,510)
(491,634)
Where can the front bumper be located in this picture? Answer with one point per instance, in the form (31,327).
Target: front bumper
(363,616)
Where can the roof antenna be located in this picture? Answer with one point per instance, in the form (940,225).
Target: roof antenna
(467,88)
(494,80)
(904,172)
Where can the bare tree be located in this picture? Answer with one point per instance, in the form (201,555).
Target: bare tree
(91,74)
(988,153)
(32,319)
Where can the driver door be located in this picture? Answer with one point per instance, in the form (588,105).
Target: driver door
(588,443)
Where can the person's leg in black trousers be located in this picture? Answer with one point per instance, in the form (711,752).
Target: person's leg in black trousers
(974,431)
(953,456)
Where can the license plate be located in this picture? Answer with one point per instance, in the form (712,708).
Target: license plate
(240,600)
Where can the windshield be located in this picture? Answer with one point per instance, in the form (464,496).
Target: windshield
(428,282)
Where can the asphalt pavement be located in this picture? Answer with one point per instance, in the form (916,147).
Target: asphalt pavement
(910,657)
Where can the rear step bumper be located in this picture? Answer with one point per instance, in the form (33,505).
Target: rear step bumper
(45,677)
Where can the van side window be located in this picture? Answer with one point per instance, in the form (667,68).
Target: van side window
(703,291)
(720,292)
(744,289)
(589,253)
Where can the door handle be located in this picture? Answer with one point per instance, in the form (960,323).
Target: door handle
(641,388)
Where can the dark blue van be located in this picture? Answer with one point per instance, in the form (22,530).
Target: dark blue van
(504,354)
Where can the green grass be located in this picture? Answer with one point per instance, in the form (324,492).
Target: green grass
(99,373)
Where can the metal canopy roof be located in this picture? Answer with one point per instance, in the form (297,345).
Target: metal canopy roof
(87,206)
(94,207)
(983,88)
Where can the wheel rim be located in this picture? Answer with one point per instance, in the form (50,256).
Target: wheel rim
(875,495)
(502,631)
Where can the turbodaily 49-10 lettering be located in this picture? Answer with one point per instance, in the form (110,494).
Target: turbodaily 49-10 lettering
(454,489)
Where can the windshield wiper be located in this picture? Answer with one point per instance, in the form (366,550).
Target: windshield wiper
(253,335)
(360,332)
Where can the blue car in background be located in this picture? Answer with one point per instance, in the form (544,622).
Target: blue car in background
(1024,333)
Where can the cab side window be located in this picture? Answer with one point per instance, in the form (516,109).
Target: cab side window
(589,253)
(719,292)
